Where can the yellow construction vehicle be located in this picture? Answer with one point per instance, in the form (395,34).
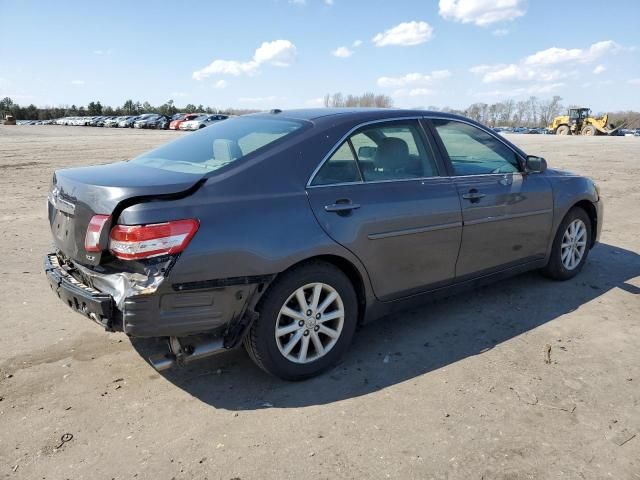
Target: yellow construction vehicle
(579,121)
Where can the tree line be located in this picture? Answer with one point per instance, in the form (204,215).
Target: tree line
(532,112)
(32,112)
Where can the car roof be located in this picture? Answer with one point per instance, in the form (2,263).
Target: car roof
(363,113)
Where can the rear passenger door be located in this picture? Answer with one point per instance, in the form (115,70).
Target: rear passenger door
(507,213)
(380,194)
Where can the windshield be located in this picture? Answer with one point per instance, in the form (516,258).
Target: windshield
(218,145)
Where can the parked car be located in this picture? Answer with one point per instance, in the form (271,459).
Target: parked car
(102,121)
(282,231)
(152,120)
(202,121)
(128,121)
(188,125)
(176,122)
(113,122)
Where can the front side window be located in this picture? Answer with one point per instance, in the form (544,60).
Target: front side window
(221,143)
(382,152)
(473,151)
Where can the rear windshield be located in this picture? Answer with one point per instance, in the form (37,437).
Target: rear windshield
(220,144)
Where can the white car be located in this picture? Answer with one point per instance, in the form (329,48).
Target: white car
(202,121)
(114,122)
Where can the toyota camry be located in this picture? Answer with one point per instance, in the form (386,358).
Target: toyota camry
(283,231)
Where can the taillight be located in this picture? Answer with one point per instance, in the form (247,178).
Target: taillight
(94,231)
(130,242)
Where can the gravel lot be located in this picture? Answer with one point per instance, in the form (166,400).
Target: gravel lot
(456,389)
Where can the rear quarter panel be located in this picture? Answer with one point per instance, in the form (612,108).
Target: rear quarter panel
(254,219)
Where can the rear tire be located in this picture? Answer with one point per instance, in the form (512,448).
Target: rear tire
(571,246)
(293,341)
(563,130)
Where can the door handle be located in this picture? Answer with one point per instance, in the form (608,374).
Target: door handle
(342,207)
(473,196)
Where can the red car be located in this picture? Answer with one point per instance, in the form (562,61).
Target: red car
(175,124)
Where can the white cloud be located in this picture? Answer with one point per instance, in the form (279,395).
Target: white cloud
(315,102)
(103,52)
(298,2)
(420,92)
(405,34)
(634,81)
(258,100)
(515,73)
(342,52)
(280,53)
(599,69)
(535,89)
(500,32)
(413,79)
(220,84)
(555,55)
(328,2)
(544,66)
(77,82)
(178,94)
(482,12)
(357,43)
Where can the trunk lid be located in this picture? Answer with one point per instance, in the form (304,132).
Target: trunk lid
(77,194)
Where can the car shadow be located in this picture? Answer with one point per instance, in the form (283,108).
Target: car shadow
(412,343)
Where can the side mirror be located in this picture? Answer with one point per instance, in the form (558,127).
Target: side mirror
(535,164)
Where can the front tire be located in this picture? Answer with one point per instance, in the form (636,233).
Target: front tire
(589,131)
(570,246)
(306,322)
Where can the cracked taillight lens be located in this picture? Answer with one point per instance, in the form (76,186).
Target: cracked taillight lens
(132,242)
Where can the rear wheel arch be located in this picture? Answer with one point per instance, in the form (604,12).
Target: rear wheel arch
(345,266)
(266,349)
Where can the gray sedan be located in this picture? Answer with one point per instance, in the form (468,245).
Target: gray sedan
(284,230)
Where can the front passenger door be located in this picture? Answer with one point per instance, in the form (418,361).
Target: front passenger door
(380,195)
(507,214)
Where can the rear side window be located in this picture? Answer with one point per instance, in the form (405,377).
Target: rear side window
(340,168)
(382,152)
(219,144)
(473,151)
(393,152)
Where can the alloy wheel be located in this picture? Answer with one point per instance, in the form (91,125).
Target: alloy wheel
(309,323)
(574,244)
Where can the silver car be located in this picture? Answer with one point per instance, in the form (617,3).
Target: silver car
(202,121)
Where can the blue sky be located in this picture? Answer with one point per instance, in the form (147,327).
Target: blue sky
(289,53)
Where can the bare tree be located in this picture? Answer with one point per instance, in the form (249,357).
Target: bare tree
(520,113)
(367,99)
(549,109)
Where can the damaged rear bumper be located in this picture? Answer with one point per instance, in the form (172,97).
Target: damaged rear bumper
(98,306)
(145,305)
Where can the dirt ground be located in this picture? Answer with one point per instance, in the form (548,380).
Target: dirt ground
(457,389)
